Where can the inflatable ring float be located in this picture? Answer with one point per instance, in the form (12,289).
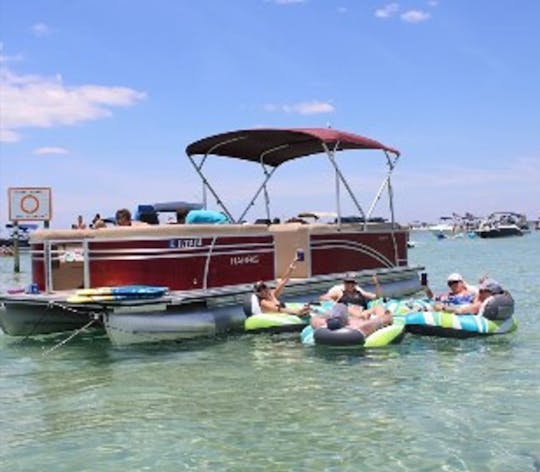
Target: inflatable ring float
(256,321)
(419,318)
(450,325)
(353,338)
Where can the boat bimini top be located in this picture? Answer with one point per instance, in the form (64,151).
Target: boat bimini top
(273,147)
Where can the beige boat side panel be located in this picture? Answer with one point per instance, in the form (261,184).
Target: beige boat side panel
(67,275)
(289,237)
(150,231)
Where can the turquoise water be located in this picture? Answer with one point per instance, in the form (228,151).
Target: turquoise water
(262,402)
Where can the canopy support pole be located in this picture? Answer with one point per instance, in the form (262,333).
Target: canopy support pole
(332,158)
(266,196)
(263,185)
(385,183)
(206,185)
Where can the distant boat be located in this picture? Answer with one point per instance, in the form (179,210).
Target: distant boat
(21,232)
(503,224)
(444,228)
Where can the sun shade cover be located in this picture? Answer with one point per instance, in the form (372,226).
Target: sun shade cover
(276,146)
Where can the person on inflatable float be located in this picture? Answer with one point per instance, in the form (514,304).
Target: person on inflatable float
(460,291)
(343,316)
(349,292)
(355,300)
(487,291)
(268,298)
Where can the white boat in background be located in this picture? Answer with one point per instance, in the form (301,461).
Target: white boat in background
(503,224)
(445,228)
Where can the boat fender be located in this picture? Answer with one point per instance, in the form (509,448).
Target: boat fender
(338,337)
(498,307)
(251,305)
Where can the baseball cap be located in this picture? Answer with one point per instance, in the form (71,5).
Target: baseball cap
(455,277)
(349,278)
(338,317)
(491,286)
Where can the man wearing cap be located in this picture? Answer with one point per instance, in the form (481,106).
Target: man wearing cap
(353,300)
(486,290)
(460,291)
(350,293)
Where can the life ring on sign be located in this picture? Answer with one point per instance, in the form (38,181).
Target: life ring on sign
(29,204)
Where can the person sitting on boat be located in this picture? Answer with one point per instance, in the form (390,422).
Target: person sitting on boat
(123,218)
(349,292)
(268,298)
(97,222)
(343,316)
(460,291)
(492,302)
(80,224)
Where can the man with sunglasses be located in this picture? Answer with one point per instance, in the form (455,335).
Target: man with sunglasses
(459,291)
(491,302)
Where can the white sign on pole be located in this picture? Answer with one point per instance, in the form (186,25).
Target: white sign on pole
(30,203)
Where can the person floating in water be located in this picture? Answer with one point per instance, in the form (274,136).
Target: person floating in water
(356,302)
(343,316)
(349,292)
(268,298)
(492,302)
(460,292)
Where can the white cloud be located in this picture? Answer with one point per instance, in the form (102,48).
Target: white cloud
(44,102)
(303,108)
(342,10)
(415,16)
(43,151)
(387,11)
(39,30)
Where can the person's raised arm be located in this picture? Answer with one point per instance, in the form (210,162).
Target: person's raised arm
(285,278)
(428,291)
(372,295)
(378,288)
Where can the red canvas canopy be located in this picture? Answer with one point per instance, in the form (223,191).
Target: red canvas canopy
(275,146)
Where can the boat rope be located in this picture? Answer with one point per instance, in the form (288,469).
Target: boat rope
(70,337)
(36,324)
(52,304)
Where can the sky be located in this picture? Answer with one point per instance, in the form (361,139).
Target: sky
(99,99)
